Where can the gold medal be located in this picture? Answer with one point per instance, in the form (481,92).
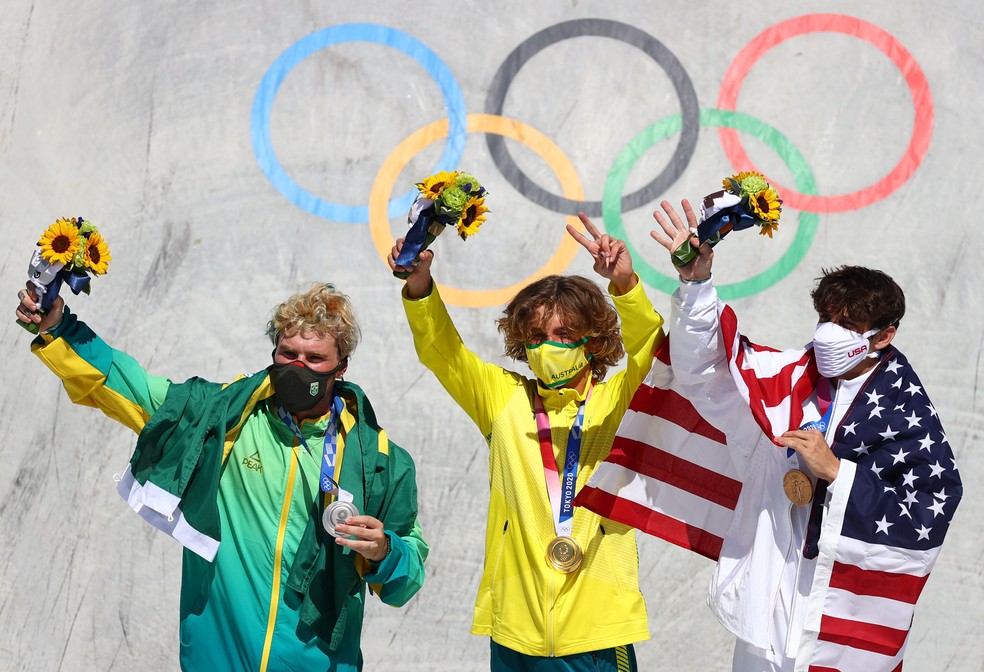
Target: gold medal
(797,487)
(564,555)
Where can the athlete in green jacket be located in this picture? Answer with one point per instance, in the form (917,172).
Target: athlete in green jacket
(275,564)
(558,593)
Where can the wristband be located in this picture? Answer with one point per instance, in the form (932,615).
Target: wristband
(374,564)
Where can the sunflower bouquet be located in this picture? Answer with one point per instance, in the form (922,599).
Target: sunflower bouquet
(746,200)
(452,198)
(68,251)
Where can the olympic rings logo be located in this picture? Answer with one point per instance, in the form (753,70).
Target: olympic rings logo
(383,206)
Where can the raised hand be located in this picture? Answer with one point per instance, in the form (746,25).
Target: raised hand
(676,232)
(419,281)
(29,307)
(611,256)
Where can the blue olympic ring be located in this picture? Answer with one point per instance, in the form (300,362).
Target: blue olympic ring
(454,101)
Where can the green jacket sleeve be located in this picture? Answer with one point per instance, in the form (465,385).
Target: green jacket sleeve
(401,574)
(96,375)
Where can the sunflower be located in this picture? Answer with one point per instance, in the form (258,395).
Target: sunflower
(471,217)
(97,254)
(60,242)
(767,228)
(433,186)
(765,205)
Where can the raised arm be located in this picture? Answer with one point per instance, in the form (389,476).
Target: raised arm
(479,388)
(93,373)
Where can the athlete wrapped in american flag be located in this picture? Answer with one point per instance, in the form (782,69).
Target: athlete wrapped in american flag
(816,583)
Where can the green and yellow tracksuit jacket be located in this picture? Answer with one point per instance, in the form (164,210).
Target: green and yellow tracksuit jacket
(522,603)
(215,463)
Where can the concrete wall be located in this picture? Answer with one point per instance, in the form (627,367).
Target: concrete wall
(146,118)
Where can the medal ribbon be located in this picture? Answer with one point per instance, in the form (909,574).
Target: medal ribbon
(328,483)
(826,409)
(560,492)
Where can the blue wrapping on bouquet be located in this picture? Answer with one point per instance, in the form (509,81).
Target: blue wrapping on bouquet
(730,210)
(420,235)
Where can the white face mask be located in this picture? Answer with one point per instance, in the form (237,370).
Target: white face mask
(838,350)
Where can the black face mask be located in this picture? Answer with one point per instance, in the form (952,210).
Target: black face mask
(300,389)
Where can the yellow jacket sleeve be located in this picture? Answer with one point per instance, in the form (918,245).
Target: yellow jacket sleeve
(479,388)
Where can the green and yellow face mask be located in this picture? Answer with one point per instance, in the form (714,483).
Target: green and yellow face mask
(556,364)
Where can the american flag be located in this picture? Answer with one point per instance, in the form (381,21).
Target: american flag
(671,474)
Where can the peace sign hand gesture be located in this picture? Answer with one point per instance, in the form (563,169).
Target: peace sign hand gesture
(611,256)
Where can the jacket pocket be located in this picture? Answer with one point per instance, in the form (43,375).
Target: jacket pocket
(494,587)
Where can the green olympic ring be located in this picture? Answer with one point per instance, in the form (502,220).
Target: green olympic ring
(803,176)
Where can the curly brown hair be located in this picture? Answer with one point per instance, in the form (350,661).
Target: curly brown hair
(320,309)
(858,298)
(581,306)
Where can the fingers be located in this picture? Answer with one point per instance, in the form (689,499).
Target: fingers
(27,309)
(676,231)
(364,535)
(688,211)
(394,253)
(365,522)
(588,225)
(601,246)
(676,224)
(580,238)
(662,240)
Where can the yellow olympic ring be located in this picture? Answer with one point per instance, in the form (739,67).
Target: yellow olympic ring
(388,173)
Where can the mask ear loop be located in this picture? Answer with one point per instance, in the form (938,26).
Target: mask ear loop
(343,365)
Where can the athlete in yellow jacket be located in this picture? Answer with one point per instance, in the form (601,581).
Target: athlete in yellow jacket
(582,606)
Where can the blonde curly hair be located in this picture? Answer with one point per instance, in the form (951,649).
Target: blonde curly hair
(583,308)
(320,309)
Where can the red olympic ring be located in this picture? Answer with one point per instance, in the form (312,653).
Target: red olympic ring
(812,23)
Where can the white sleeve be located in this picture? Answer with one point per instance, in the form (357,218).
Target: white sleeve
(700,365)
(696,349)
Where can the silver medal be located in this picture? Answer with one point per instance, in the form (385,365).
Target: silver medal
(336,514)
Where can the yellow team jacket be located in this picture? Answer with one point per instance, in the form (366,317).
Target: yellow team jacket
(522,603)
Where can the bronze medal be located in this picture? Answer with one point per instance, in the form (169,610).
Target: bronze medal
(564,555)
(797,487)
(337,513)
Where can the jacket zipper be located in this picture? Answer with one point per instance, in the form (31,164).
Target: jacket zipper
(278,554)
(551,598)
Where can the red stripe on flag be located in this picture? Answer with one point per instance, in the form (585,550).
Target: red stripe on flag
(671,406)
(899,587)
(651,522)
(817,668)
(662,352)
(864,636)
(662,466)
(771,391)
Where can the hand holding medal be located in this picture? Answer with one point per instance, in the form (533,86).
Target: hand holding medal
(68,251)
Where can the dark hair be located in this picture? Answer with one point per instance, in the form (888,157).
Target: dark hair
(582,307)
(858,298)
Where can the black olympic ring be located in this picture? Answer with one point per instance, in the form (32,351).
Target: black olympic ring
(689,110)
